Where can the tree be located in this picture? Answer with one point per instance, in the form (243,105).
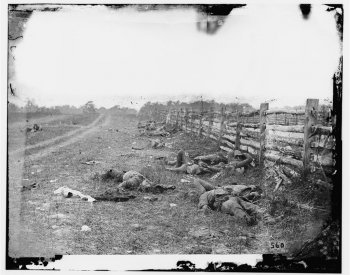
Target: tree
(12,108)
(89,107)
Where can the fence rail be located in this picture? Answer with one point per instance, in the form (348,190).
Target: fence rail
(300,139)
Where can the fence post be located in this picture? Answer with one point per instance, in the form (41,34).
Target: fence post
(200,122)
(222,121)
(186,117)
(211,118)
(238,133)
(263,108)
(181,117)
(191,120)
(310,120)
(177,119)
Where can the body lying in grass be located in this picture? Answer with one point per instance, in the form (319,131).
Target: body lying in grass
(235,200)
(133,180)
(235,161)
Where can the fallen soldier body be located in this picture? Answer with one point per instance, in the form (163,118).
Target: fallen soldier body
(214,163)
(235,200)
(133,180)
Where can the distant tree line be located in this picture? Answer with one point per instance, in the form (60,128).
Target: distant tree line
(89,107)
(32,107)
(156,110)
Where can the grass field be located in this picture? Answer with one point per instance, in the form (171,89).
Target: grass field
(43,224)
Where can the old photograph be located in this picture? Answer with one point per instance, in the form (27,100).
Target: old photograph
(192,129)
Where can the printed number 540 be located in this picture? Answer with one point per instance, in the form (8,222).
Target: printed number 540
(277,245)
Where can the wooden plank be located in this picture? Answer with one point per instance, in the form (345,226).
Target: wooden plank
(210,118)
(231,131)
(294,151)
(323,143)
(253,144)
(285,111)
(321,130)
(230,144)
(225,148)
(186,119)
(325,159)
(251,125)
(251,114)
(263,108)
(232,124)
(222,126)
(310,120)
(252,133)
(275,156)
(291,135)
(177,119)
(230,137)
(238,133)
(285,128)
(250,150)
(288,141)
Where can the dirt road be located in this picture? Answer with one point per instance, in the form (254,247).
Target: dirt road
(53,144)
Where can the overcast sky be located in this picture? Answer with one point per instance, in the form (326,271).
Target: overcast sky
(115,57)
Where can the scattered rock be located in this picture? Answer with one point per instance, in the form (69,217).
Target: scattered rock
(91,162)
(136,226)
(150,198)
(203,232)
(85,228)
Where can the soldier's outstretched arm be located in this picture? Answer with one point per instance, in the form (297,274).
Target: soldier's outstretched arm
(171,162)
(182,168)
(245,162)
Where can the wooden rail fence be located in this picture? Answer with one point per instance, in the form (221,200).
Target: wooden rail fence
(300,139)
